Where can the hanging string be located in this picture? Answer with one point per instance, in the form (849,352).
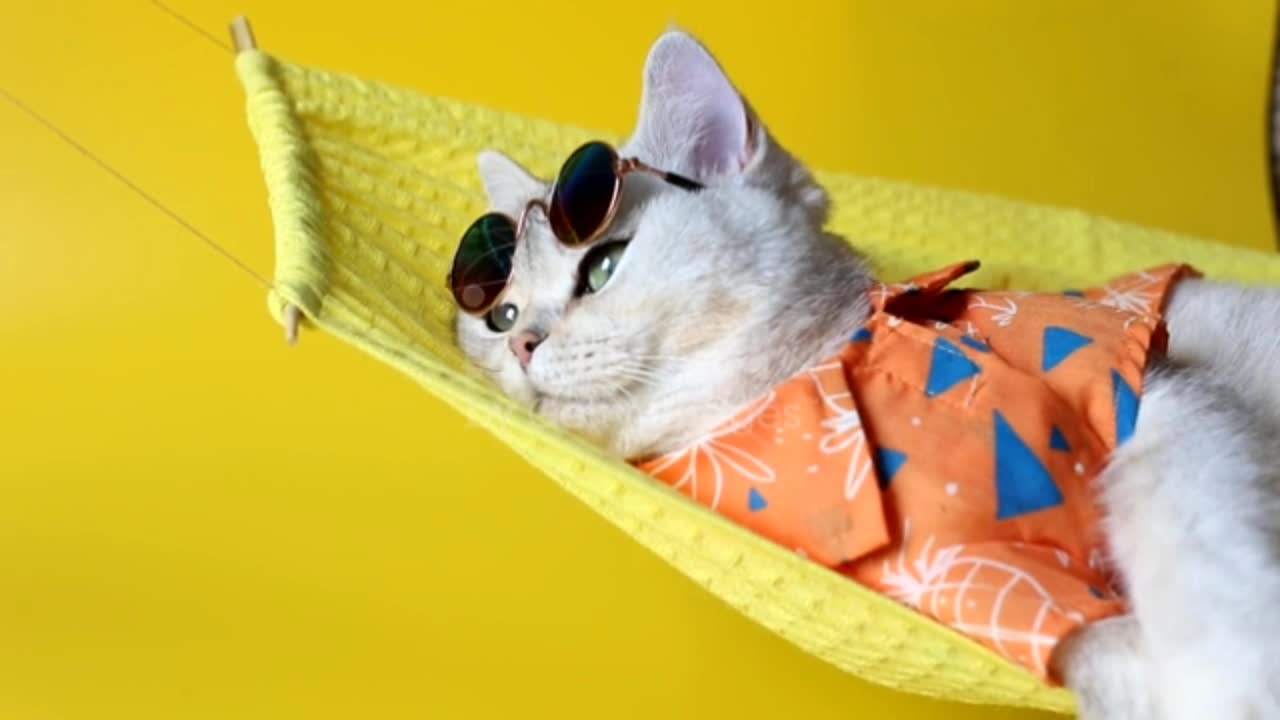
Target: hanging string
(190,24)
(137,189)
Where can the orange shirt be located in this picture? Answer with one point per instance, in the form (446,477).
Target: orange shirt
(946,456)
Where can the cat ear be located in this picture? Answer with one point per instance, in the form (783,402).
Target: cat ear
(506,182)
(691,110)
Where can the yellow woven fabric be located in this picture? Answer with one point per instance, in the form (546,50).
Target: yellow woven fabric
(371,186)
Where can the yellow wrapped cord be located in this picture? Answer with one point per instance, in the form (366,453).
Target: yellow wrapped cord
(370,188)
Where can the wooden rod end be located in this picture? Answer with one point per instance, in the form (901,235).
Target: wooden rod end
(242,35)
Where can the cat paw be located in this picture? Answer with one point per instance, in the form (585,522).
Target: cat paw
(1103,665)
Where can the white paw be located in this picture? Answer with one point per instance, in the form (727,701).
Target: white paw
(1104,666)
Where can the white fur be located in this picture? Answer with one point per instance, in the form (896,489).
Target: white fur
(1193,502)
(1105,664)
(724,293)
(720,295)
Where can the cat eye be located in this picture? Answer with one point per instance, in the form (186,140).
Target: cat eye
(502,317)
(598,266)
(583,202)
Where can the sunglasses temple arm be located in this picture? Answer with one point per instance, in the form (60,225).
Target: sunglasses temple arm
(682,182)
(679,181)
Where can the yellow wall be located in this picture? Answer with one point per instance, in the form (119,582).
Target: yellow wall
(180,533)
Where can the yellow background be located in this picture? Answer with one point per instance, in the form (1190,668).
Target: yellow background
(181,533)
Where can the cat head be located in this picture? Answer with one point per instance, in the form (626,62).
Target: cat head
(692,304)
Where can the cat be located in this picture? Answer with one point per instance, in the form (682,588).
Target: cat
(716,297)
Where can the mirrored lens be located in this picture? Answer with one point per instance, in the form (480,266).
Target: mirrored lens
(584,193)
(482,266)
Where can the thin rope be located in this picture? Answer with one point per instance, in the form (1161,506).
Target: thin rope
(1273,126)
(137,189)
(191,24)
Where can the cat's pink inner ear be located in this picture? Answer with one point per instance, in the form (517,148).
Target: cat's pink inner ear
(693,104)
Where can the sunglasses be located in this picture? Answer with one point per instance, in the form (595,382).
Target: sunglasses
(584,199)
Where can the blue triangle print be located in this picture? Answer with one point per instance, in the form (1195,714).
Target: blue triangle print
(1058,441)
(888,463)
(1126,408)
(1023,485)
(948,368)
(1059,344)
(862,335)
(975,344)
(756,501)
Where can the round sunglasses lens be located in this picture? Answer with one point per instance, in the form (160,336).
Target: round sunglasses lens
(584,193)
(482,267)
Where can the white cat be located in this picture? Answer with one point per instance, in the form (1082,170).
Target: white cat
(710,299)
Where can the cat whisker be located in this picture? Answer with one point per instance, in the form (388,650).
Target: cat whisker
(665,359)
(639,378)
(631,374)
(642,369)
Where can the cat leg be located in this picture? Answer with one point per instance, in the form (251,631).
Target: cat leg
(1105,666)
(1193,521)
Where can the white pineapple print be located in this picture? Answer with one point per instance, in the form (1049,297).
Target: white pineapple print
(938,581)
(718,455)
(843,427)
(1136,297)
(884,291)
(1003,314)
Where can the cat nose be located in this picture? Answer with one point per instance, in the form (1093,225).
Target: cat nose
(524,343)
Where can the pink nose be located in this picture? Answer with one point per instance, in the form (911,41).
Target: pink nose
(523,344)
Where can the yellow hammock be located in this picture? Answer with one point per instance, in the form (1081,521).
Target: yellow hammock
(370,187)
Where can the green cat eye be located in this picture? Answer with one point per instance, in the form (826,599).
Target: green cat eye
(583,201)
(599,265)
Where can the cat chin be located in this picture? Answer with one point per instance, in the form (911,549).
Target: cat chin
(515,385)
(592,419)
